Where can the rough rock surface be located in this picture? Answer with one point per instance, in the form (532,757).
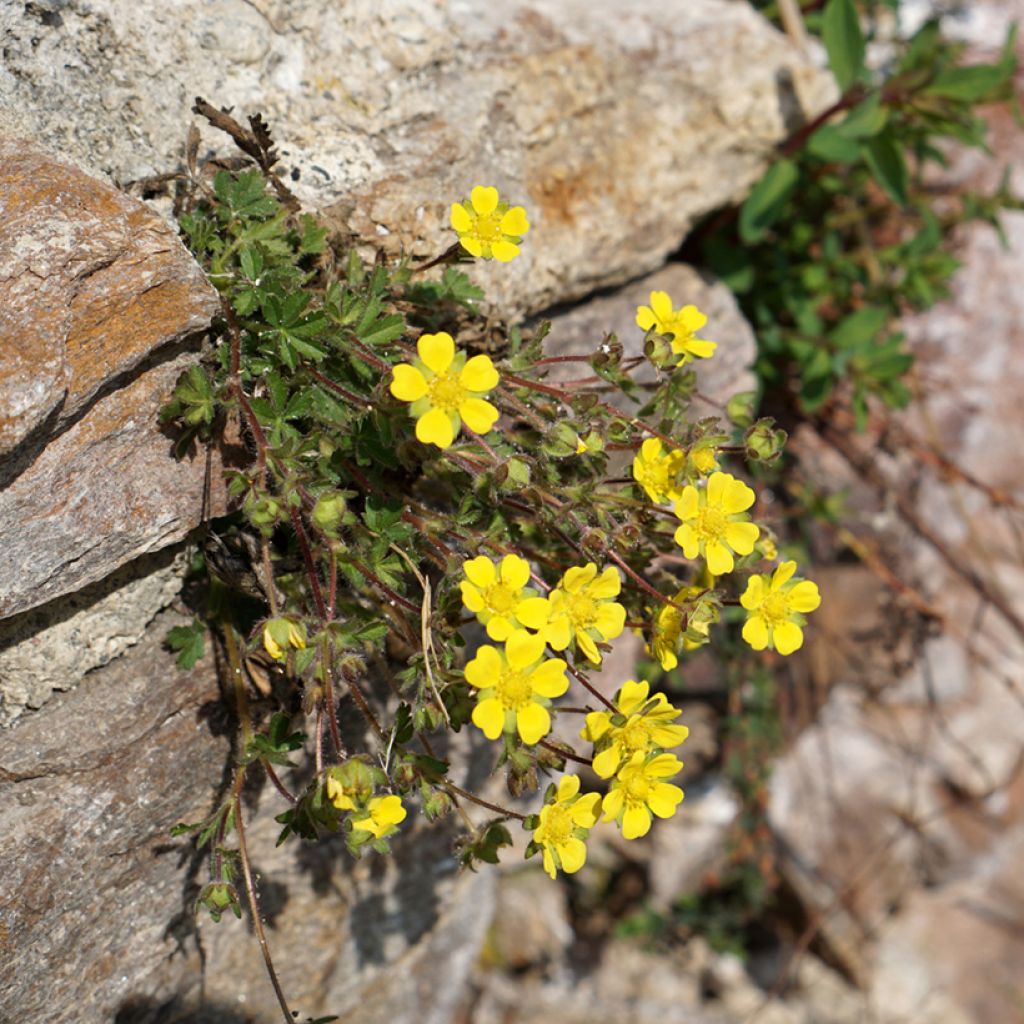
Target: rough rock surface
(101,308)
(615,123)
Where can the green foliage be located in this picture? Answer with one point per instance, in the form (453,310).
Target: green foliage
(188,641)
(843,234)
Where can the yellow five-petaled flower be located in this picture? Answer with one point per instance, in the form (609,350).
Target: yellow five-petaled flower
(516,686)
(498,595)
(582,607)
(776,606)
(681,324)
(715,522)
(639,790)
(383,815)
(446,390)
(564,824)
(487,227)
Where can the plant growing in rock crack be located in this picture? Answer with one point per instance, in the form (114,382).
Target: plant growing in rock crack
(847,230)
(431,535)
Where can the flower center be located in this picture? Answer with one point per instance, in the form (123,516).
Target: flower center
(636,788)
(774,610)
(711,523)
(488,229)
(582,610)
(557,827)
(499,598)
(514,691)
(635,734)
(446,393)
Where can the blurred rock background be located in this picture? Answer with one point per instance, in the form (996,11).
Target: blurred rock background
(892,830)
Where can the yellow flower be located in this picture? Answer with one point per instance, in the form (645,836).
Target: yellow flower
(581,606)
(564,824)
(642,724)
(281,633)
(776,606)
(640,790)
(516,687)
(657,471)
(682,324)
(384,813)
(445,390)
(715,522)
(339,795)
(487,227)
(701,461)
(499,598)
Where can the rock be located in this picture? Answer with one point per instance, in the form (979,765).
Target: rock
(615,125)
(101,308)
(531,921)
(54,646)
(97,919)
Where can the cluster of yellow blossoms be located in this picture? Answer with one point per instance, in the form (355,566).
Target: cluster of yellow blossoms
(516,681)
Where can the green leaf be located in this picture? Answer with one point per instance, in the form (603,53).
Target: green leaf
(765,203)
(828,143)
(859,329)
(188,642)
(730,263)
(886,162)
(970,84)
(866,119)
(844,41)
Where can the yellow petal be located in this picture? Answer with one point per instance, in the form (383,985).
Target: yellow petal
(754,595)
(481,571)
(720,560)
(499,627)
(484,199)
(588,647)
(586,810)
(783,574)
(610,620)
(636,822)
(612,804)
(755,632)
(489,717)
(568,786)
(485,669)
(515,572)
(407,383)
(573,854)
(549,863)
(548,679)
(606,763)
(788,637)
(664,766)
(514,222)
(436,350)
(661,304)
(804,597)
(533,723)
(738,497)
(460,218)
(522,649)
(608,584)
(741,537)
(645,318)
(479,374)
(597,724)
(557,632)
(688,505)
(698,347)
(716,488)
(435,427)
(632,695)
(388,810)
(664,798)
(686,538)
(471,245)
(578,577)
(478,415)
(504,251)
(692,318)
(471,597)
(533,612)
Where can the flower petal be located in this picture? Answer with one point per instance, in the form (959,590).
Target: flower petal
(471,245)
(636,822)
(663,799)
(549,863)
(489,717)
(698,347)
(608,584)
(435,427)
(557,632)
(717,483)
(612,804)
(783,574)
(514,222)
(522,649)
(804,597)
(755,632)
(578,577)
(720,560)
(479,374)
(478,414)
(568,786)
(692,318)
(548,679)
(471,597)
(504,251)
(460,218)
(515,572)
(662,305)
(787,637)
(485,669)
(755,593)
(573,854)
(738,497)
(500,628)
(664,766)
(606,764)
(484,199)
(407,383)
(480,571)
(645,318)
(632,695)
(436,350)
(686,538)
(688,505)
(741,537)
(533,723)
(597,724)
(588,647)
(610,620)
(586,810)
(533,612)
